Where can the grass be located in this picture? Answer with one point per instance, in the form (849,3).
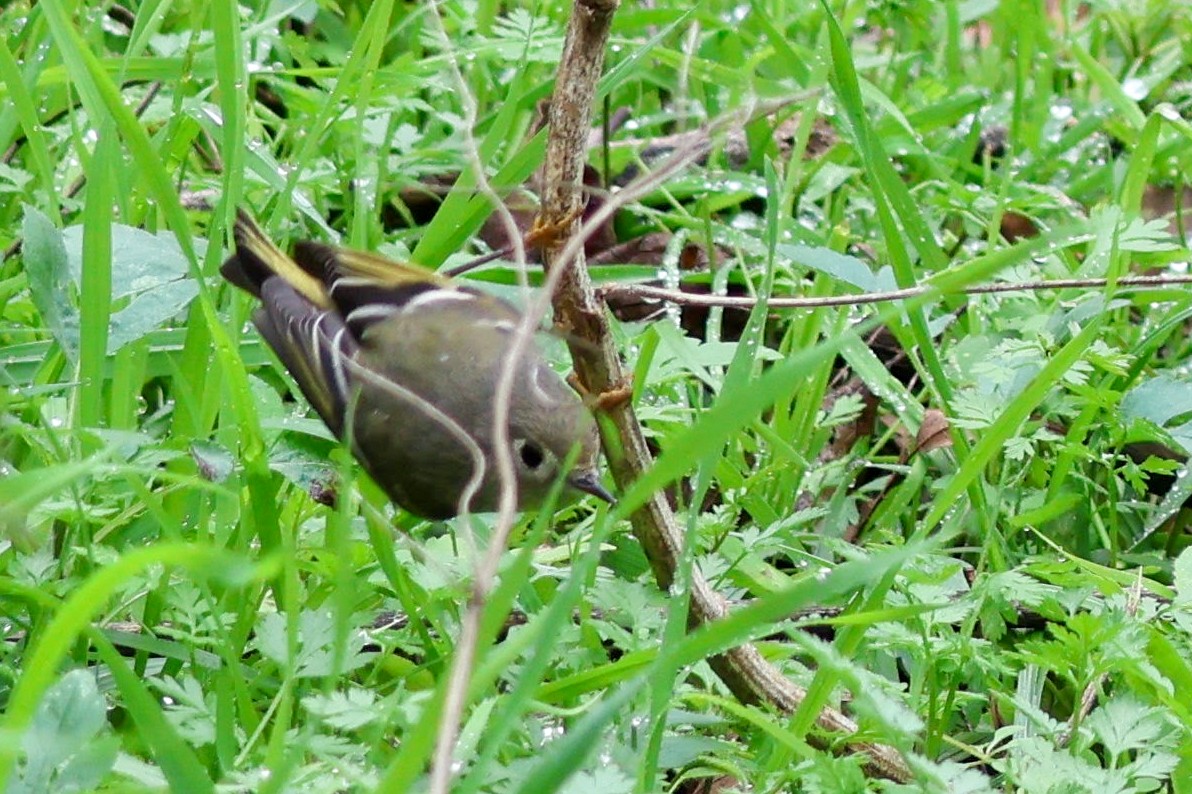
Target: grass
(1003,599)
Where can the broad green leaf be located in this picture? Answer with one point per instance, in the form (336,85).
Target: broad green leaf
(149,271)
(50,282)
(64,748)
(1165,401)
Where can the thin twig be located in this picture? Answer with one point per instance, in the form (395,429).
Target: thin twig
(680,298)
(455,695)
(485,574)
(581,318)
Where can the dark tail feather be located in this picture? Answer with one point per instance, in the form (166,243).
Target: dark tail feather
(234,270)
(246,268)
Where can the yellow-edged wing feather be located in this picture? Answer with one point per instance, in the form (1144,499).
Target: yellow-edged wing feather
(250,239)
(387,272)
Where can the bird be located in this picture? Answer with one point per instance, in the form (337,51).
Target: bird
(402,364)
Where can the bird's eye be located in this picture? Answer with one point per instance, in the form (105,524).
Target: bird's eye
(531,455)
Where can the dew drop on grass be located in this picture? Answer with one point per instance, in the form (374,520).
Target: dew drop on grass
(745,221)
(1168,111)
(1061,111)
(551,732)
(1134,88)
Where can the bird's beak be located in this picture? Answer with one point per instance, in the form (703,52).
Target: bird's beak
(588,481)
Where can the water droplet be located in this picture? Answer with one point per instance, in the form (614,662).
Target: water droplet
(1061,111)
(1168,111)
(1134,88)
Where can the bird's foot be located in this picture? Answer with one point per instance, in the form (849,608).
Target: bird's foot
(618,395)
(545,235)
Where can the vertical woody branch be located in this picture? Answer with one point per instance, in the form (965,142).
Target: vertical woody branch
(577,312)
(582,320)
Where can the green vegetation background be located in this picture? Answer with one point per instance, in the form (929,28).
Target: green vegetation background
(1006,601)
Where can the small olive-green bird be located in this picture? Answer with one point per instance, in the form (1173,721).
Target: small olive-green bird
(403,365)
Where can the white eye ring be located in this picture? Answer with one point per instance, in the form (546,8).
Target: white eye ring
(533,459)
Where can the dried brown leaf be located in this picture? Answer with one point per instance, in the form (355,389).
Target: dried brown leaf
(933,432)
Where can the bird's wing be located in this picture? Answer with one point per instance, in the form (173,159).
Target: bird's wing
(368,289)
(313,344)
